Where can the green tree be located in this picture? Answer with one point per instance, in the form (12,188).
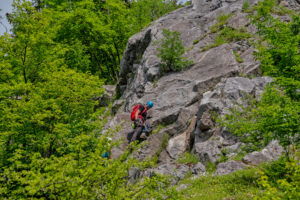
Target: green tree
(51,134)
(170,52)
(279,47)
(146,11)
(92,35)
(28,50)
(51,144)
(39,117)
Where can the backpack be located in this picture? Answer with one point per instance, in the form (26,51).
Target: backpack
(134,110)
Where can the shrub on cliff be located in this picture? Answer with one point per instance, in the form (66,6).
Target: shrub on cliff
(170,52)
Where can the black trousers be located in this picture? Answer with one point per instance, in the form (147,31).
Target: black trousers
(135,134)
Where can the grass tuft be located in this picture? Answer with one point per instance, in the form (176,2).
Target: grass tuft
(188,158)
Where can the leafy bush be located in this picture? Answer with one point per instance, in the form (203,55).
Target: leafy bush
(280,180)
(170,52)
(51,146)
(221,22)
(279,47)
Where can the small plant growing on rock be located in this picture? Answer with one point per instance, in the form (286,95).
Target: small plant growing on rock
(188,158)
(238,57)
(246,6)
(221,23)
(227,35)
(170,52)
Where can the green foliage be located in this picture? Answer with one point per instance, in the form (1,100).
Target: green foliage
(158,128)
(246,6)
(170,52)
(276,180)
(51,137)
(239,185)
(275,170)
(279,47)
(146,11)
(153,188)
(210,167)
(227,35)
(196,42)
(222,159)
(51,147)
(221,22)
(188,2)
(38,117)
(275,116)
(188,158)
(280,180)
(27,51)
(239,156)
(86,35)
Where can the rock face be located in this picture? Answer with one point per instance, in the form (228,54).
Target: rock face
(181,143)
(175,170)
(272,152)
(186,101)
(210,141)
(229,167)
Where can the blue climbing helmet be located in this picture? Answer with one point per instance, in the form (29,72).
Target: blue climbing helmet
(149,104)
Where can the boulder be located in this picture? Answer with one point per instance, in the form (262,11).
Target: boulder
(210,150)
(270,153)
(199,169)
(179,144)
(210,141)
(232,91)
(133,174)
(229,138)
(232,149)
(229,167)
(206,121)
(176,170)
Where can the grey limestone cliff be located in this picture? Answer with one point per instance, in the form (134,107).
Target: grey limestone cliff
(183,99)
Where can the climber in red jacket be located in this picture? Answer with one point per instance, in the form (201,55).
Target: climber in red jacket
(139,116)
